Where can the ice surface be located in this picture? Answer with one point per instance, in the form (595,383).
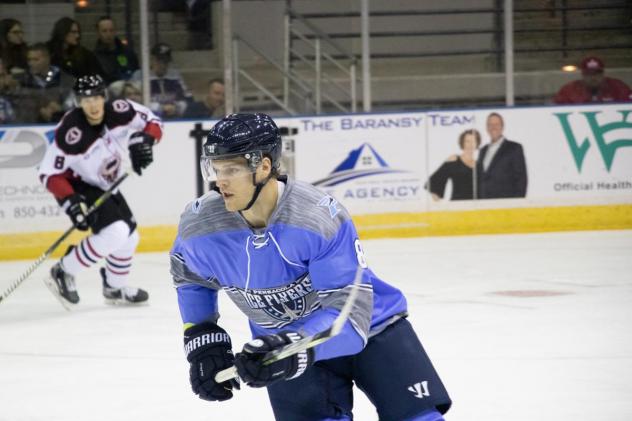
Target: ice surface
(520,327)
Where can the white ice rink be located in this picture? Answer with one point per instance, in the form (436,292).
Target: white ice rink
(520,327)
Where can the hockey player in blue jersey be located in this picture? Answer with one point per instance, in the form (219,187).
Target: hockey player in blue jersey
(287,255)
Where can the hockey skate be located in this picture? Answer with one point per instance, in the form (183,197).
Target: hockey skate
(62,285)
(124,295)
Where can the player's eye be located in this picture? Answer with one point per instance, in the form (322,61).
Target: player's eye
(227,172)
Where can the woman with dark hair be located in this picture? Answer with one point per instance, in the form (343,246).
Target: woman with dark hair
(458,168)
(12,46)
(66,52)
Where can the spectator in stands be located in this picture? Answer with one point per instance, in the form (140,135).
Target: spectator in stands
(7,83)
(41,73)
(67,53)
(594,86)
(133,92)
(501,168)
(44,88)
(459,169)
(199,23)
(168,92)
(213,104)
(118,61)
(12,47)
(7,115)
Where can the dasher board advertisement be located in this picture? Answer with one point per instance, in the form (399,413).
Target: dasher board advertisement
(547,156)
(371,163)
(157,197)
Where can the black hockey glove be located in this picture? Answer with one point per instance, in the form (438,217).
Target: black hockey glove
(141,151)
(249,362)
(208,350)
(77,209)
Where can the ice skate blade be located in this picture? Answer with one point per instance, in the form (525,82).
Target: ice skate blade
(121,302)
(52,287)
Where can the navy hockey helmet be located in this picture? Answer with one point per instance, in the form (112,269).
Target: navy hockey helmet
(89,85)
(251,136)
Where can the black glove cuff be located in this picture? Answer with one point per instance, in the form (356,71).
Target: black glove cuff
(70,200)
(250,362)
(303,359)
(142,137)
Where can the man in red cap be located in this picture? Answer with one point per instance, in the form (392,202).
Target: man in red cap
(593,86)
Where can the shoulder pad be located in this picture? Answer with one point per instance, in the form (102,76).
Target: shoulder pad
(74,135)
(196,205)
(206,214)
(118,112)
(319,211)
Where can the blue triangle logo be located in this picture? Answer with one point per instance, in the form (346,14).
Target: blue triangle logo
(361,162)
(364,157)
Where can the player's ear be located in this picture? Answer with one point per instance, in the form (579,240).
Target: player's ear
(266,166)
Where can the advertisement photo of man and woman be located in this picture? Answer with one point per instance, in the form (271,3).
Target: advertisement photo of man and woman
(493,167)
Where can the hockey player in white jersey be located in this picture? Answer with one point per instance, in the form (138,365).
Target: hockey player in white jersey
(86,157)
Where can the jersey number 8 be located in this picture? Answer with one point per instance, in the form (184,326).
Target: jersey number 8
(59,162)
(360,254)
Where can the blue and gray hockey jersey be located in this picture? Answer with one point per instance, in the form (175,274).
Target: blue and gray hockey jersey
(295,274)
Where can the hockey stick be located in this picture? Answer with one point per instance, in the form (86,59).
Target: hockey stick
(308,341)
(97,203)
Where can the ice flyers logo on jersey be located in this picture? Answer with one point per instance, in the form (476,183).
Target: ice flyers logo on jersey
(279,306)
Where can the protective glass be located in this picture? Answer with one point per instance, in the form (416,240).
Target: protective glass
(226,167)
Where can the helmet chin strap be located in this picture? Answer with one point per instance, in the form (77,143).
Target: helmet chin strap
(258,188)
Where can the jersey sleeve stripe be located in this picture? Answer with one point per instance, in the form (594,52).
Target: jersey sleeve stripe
(154,130)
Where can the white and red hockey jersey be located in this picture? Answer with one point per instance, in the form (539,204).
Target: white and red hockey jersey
(94,154)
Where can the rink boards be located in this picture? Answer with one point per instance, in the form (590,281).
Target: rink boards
(579,167)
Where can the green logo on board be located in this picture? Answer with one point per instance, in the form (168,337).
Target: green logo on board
(607,150)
